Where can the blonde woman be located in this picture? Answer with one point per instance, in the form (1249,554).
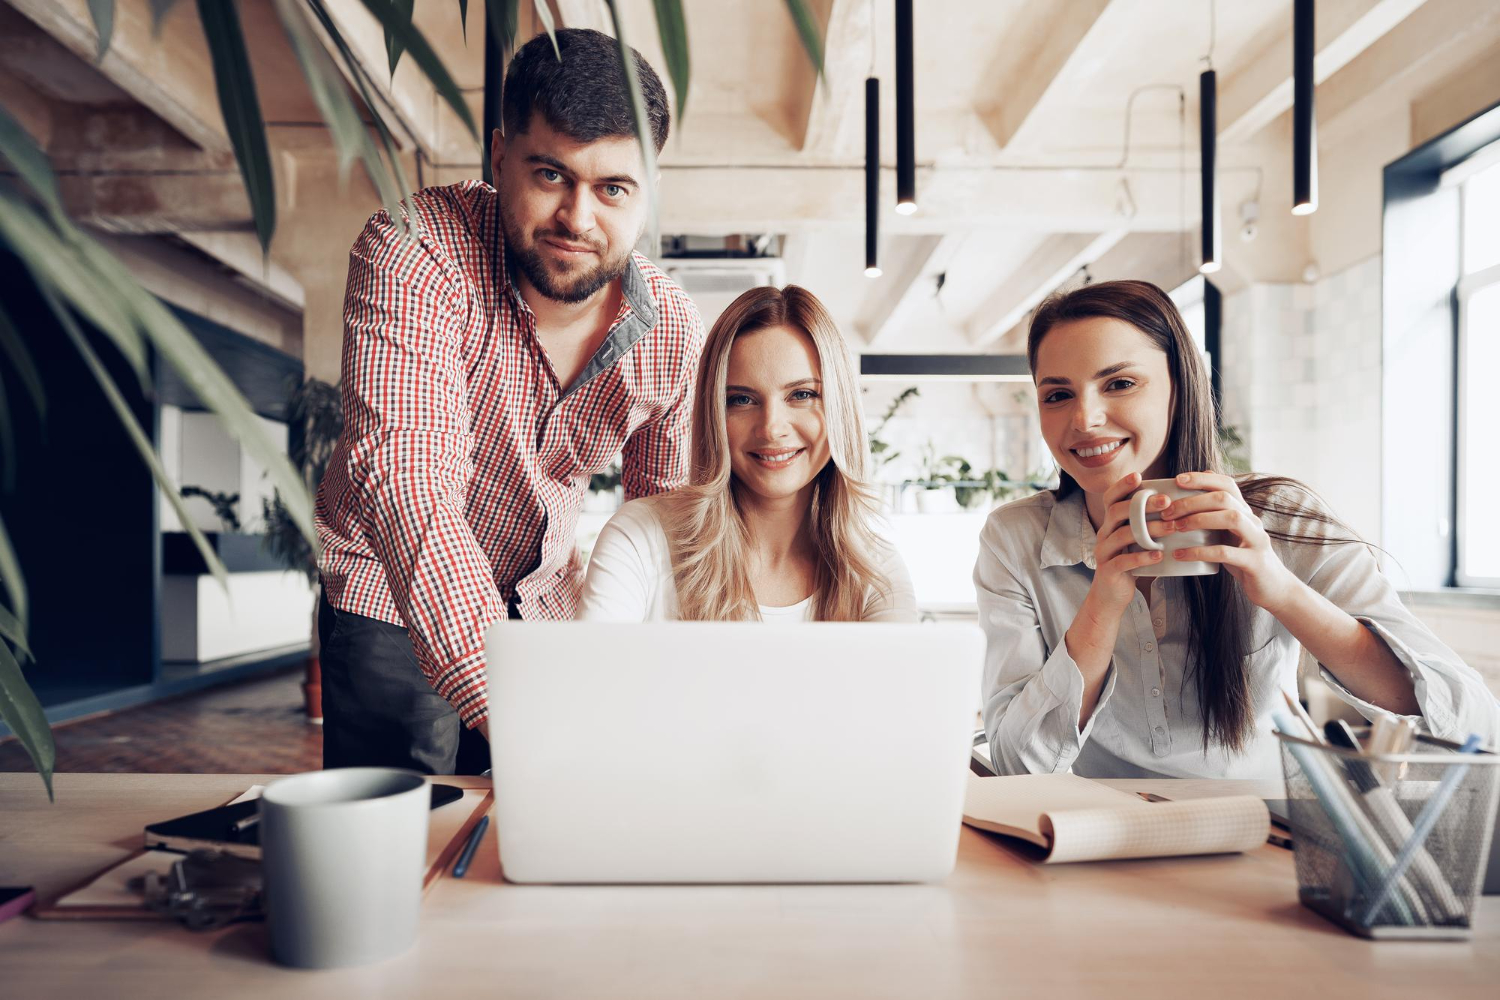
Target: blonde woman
(776,523)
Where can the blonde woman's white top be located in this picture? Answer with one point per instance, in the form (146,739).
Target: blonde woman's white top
(1035,567)
(630,577)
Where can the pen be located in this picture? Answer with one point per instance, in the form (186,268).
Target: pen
(1393,825)
(461,866)
(241,825)
(1421,827)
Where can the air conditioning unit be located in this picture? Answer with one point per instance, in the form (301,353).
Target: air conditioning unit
(714,282)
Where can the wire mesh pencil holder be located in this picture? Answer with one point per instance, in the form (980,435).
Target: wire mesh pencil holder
(1394,845)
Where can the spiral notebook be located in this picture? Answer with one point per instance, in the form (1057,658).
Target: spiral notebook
(1069,818)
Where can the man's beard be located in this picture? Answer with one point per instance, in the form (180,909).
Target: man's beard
(570,288)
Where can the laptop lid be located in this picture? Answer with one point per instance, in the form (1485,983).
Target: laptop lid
(730,752)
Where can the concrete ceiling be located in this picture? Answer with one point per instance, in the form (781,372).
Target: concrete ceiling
(1021,111)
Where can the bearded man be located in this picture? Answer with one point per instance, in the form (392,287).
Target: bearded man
(494,358)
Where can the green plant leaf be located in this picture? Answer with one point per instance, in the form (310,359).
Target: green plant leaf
(393,46)
(159,11)
(463,19)
(54,260)
(807,30)
(672,28)
(412,41)
(7,443)
(137,437)
(103,13)
(213,388)
(544,14)
(23,714)
(642,123)
(11,578)
(350,137)
(362,83)
(11,629)
(504,18)
(18,148)
(241,109)
(21,363)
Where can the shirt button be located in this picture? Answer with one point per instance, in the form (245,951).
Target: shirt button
(1160,730)
(1149,646)
(1156,693)
(1158,622)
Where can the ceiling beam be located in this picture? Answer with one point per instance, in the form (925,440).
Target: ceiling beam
(835,117)
(1262,91)
(1054,262)
(911,278)
(1031,64)
(793,199)
(171,75)
(905,258)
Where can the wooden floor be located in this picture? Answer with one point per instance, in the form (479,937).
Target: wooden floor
(255,727)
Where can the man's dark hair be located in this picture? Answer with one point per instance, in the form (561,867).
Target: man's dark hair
(583,95)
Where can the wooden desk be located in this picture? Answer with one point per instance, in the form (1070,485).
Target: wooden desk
(999,927)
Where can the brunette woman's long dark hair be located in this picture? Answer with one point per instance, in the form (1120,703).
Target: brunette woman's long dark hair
(1219,613)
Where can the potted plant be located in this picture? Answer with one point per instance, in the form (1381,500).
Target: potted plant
(936,493)
(315,418)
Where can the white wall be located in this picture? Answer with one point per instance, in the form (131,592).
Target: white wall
(1302,385)
(196,450)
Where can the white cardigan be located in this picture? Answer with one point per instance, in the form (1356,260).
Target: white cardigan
(630,577)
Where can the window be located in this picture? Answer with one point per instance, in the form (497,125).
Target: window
(1478,302)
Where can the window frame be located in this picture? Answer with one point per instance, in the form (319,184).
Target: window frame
(1469,285)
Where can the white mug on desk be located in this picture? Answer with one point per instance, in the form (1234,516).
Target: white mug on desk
(1169,566)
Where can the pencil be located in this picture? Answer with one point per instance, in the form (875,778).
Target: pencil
(461,866)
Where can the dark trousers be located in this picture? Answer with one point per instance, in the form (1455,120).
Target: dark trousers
(378,709)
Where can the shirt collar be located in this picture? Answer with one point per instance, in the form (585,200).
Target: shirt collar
(1070,538)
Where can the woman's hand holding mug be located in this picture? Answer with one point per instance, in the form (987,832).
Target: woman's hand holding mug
(1114,561)
(1213,503)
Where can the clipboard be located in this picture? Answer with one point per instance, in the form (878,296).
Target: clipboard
(105,894)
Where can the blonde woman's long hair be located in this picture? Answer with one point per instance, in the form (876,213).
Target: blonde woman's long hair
(703,520)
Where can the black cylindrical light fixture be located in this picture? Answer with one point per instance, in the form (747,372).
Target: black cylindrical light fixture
(872,177)
(1304,124)
(494,76)
(1208,144)
(906,118)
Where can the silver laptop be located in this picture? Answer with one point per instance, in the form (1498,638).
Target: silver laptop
(730,752)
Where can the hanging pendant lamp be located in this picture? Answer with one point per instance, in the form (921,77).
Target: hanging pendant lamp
(1304,124)
(1208,142)
(872,177)
(906,124)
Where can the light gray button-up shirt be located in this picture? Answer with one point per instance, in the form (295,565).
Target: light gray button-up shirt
(1035,567)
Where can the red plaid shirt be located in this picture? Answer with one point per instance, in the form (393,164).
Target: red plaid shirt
(457,482)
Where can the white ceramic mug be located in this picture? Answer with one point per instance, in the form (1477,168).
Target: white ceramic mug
(1169,566)
(343,856)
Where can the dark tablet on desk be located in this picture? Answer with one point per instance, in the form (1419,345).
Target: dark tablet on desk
(222,828)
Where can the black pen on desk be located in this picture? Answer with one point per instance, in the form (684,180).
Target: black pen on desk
(461,866)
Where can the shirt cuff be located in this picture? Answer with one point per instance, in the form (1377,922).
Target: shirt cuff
(1065,683)
(1438,714)
(465,686)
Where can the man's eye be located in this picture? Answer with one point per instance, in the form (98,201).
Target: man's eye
(613,191)
(550,176)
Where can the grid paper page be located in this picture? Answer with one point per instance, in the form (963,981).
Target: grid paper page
(1165,829)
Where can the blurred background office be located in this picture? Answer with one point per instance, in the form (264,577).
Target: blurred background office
(1046,145)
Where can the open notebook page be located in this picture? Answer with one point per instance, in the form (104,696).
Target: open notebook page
(1074,819)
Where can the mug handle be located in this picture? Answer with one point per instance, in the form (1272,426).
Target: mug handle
(1138,521)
